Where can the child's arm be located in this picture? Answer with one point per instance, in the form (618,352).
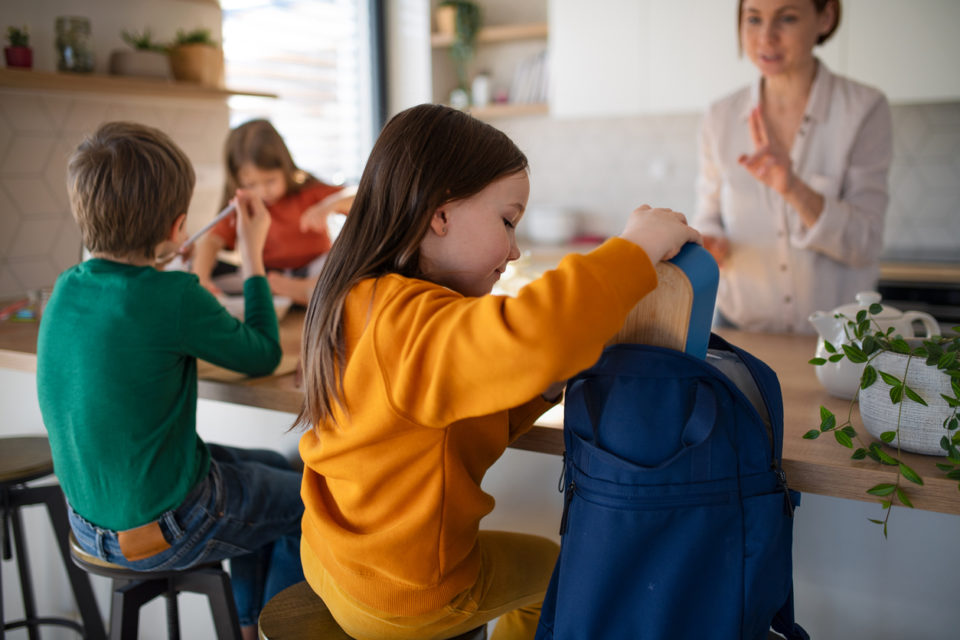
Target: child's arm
(253,222)
(297,289)
(205,252)
(315,217)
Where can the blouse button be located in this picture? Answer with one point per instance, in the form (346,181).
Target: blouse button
(783,267)
(787,299)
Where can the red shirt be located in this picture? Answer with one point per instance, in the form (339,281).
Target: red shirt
(287,247)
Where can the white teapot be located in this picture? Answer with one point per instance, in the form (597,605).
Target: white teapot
(842,379)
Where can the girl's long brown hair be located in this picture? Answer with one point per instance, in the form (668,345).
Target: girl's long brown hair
(257,142)
(425,157)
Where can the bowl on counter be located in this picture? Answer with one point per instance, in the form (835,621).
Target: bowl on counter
(548,225)
(234,305)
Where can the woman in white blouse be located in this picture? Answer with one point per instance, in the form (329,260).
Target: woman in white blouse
(792,189)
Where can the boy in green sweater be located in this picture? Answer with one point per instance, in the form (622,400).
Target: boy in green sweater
(117,380)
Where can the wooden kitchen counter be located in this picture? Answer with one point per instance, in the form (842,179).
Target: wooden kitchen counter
(816,466)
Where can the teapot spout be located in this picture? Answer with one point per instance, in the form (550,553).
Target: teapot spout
(825,324)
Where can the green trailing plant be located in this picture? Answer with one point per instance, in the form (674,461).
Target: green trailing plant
(18,36)
(865,341)
(196,36)
(467,25)
(142,41)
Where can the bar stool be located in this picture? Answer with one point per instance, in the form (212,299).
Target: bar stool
(133,589)
(297,613)
(23,459)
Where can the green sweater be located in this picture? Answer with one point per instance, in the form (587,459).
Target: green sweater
(117,382)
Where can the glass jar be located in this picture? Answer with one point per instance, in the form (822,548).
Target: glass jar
(74,44)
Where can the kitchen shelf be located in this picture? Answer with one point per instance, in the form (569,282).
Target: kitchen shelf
(496,33)
(98,83)
(507,110)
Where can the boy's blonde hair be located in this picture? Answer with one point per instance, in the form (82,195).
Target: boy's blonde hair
(128,183)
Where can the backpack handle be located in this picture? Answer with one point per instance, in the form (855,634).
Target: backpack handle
(696,431)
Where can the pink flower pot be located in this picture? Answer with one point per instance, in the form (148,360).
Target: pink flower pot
(19,56)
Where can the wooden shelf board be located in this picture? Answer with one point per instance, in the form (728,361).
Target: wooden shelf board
(98,83)
(497,33)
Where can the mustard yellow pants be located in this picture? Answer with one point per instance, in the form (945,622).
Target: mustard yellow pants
(514,571)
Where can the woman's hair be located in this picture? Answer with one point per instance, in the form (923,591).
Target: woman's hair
(819,5)
(127,184)
(256,142)
(425,157)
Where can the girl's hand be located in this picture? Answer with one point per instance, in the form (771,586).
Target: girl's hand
(659,232)
(770,161)
(718,246)
(298,290)
(253,222)
(315,218)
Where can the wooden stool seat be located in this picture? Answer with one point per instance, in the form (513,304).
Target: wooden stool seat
(22,459)
(297,613)
(133,589)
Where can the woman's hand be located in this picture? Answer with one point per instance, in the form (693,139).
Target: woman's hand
(718,246)
(770,161)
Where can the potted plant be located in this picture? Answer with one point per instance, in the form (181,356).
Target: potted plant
(18,53)
(467,22)
(196,57)
(909,398)
(145,58)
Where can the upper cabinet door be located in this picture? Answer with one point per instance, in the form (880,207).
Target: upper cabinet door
(629,57)
(598,52)
(908,50)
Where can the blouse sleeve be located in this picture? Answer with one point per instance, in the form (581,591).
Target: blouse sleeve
(850,228)
(707,219)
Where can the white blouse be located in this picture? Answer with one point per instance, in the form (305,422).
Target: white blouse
(778,270)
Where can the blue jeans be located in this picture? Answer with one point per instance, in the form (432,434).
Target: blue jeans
(247,509)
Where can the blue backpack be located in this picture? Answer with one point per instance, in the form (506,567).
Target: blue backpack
(677,521)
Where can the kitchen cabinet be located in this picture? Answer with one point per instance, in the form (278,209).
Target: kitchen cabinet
(631,57)
(500,49)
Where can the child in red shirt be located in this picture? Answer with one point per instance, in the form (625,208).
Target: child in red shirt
(258,160)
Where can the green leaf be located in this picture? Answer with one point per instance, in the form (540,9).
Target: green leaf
(947,359)
(843,438)
(953,402)
(893,381)
(902,497)
(953,423)
(944,467)
(884,489)
(854,354)
(863,328)
(888,436)
(875,521)
(827,419)
(945,443)
(910,474)
(850,431)
(859,454)
(829,347)
(873,454)
(885,457)
(868,377)
(870,344)
(913,395)
(896,394)
(837,357)
(861,315)
(900,345)
(813,434)
(876,308)
(954,475)
(816,361)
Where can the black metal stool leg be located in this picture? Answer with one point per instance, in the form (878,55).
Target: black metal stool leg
(26,582)
(173,612)
(215,584)
(52,497)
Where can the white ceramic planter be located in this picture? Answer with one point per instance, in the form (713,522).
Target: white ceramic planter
(145,64)
(921,428)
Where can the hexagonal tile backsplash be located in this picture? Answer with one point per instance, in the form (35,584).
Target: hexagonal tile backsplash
(39,130)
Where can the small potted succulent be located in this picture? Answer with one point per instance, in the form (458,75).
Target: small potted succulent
(18,52)
(909,398)
(196,57)
(145,58)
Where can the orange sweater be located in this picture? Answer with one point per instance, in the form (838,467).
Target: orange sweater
(437,385)
(286,246)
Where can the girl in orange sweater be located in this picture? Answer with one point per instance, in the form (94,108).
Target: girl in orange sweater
(417,378)
(258,160)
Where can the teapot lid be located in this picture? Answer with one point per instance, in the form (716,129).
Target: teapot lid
(864,300)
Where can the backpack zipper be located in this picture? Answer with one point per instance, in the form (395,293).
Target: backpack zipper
(787,501)
(567,498)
